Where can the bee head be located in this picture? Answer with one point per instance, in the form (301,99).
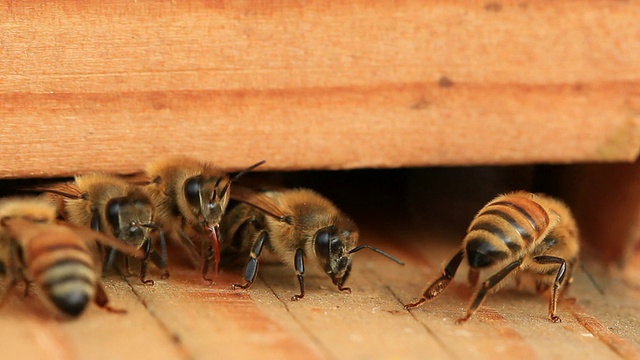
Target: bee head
(482,253)
(127,217)
(330,246)
(207,198)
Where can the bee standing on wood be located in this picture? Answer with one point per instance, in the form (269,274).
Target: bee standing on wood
(187,192)
(296,225)
(516,231)
(113,206)
(60,259)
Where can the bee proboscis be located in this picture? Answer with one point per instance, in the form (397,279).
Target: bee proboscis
(188,192)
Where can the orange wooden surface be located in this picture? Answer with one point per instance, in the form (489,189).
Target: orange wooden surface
(182,318)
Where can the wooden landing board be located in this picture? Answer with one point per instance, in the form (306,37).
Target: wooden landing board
(182,318)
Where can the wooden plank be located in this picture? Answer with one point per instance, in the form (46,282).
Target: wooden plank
(215,321)
(357,325)
(95,86)
(380,127)
(183,318)
(116,46)
(29,331)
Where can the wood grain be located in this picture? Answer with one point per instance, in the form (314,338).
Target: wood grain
(29,331)
(107,85)
(120,46)
(384,127)
(182,318)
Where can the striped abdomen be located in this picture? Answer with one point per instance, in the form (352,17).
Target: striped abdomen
(509,225)
(62,268)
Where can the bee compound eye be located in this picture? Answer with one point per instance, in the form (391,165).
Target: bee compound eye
(322,243)
(192,191)
(113,213)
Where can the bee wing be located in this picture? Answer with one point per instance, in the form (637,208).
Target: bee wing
(67,190)
(114,243)
(139,178)
(260,201)
(20,228)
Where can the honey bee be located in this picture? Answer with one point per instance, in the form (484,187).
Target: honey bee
(517,231)
(187,192)
(115,207)
(294,224)
(60,259)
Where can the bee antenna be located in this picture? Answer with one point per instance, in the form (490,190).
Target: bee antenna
(215,191)
(238,175)
(151,226)
(358,248)
(592,279)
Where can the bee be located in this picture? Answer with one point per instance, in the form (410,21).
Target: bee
(115,207)
(517,231)
(187,192)
(294,224)
(61,259)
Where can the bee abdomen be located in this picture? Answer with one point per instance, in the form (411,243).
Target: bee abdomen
(66,277)
(503,228)
(496,231)
(524,215)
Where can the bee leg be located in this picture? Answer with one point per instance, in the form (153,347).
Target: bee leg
(518,279)
(108,263)
(127,266)
(143,263)
(13,272)
(12,285)
(569,281)
(541,287)
(340,281)
(486,287)
(95,220)
(161,260)
(560,276)
(473,276)
(441,283)
(102,300)
(27,285)
(157,260)
(188,245)
(251,270)
(298,262)
(207,255)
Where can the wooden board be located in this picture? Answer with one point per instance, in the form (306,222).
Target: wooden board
(183,318)
(108,85)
